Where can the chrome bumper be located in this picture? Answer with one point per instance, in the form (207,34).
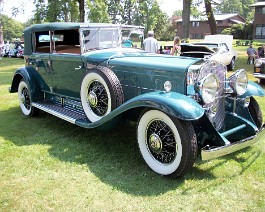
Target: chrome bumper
(210,153)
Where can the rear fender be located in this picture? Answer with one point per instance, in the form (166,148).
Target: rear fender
(32,78)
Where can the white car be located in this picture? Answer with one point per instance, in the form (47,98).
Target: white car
(213,47)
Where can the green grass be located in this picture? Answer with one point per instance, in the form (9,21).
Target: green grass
(47,164)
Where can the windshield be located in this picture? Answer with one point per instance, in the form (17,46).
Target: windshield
(132,37)
(104,38)
(99,38)
(212,46)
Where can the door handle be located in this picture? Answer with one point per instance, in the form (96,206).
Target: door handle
(79,67)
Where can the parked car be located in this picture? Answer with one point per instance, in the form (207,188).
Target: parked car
(183,107)
(259,69)
(214,47)
(17,50)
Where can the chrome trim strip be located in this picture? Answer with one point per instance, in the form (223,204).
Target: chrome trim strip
(208,154)
(262,76)
(59,115)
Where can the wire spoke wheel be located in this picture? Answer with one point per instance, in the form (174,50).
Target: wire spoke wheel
(24,98)
(161,141)
(97,98)
(101,92)
(168,145)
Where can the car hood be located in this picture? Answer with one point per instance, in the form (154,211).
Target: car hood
(139,58)
(195,48)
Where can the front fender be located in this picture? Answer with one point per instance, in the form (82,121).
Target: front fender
(172,103)
(32,78)
(253,89)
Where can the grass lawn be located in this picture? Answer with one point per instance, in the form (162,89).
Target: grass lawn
(47,164)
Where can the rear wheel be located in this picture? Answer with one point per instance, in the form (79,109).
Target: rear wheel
(255,112)
(168,145)
(24,97)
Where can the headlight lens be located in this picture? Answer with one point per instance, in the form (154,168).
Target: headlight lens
(258,63)
(207,88)
(167,86)
(239,81)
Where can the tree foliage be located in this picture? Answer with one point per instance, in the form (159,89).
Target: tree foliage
(12,29)
(237,6)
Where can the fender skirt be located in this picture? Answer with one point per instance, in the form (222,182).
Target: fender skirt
(174,104)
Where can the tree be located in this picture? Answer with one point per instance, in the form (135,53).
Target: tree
(237,6)
(98,11)
(1,25)
(210,16)
(186,17)
(115,10)
(12,29)
(81,10)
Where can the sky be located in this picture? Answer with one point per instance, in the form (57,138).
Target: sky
(168,6)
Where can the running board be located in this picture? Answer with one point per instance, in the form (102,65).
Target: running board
(60,112)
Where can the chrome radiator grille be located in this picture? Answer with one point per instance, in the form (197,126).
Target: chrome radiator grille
(215,110)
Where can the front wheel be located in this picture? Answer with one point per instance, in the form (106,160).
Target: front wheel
(24,98)
(231,66)
(255,112)
(168,145)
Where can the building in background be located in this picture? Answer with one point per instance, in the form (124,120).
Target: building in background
(199,27)
(259,21)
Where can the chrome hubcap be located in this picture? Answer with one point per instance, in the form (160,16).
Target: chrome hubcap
(155,143)
(92,99)
(23,99)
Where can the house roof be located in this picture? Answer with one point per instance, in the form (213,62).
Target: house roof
(218,17)
(258,4)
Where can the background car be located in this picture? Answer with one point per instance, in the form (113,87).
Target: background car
(214,47)
(17,50)
(183,107)
(259,69)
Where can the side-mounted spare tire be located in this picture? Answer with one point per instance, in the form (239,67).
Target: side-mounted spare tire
(101,92)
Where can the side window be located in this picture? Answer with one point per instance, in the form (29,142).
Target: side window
(42,42)
(224,48)
(60,42)
(66,42)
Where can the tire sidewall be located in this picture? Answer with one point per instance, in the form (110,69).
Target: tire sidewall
(21,86)
(164,169)
(88,79)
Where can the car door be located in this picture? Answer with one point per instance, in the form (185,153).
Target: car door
(66,64)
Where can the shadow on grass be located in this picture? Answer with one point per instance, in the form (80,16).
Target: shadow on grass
(112,156)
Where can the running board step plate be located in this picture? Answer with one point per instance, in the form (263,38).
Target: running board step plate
(60,112)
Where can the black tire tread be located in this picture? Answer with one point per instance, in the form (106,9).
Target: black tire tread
(255,112)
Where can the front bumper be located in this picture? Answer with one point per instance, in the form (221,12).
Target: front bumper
(258,75)
(215,152)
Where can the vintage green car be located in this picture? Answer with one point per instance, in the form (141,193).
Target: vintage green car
(183,107)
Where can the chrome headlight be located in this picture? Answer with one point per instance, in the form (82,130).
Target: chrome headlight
(239,82)
(167,86)
(258,63)
(207,88)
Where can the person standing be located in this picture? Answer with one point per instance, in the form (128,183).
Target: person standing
(176,50)
(150,43)
(260,51)
(251,54)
